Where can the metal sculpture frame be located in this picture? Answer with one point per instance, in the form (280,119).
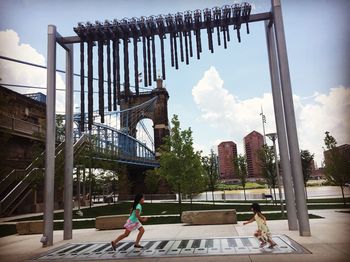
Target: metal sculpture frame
(282,99)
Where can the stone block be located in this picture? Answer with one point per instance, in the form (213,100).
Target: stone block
(209,217)
(110,222)
(30,227)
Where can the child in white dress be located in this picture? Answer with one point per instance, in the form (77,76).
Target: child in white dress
(263,232)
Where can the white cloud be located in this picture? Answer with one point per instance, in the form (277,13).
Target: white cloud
(15,73)
(236,118)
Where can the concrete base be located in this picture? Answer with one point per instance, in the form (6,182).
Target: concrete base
(30,227)
(110,222)
(209,217)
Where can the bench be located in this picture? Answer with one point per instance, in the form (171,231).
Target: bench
(110,222)
(209,217)
(30,227)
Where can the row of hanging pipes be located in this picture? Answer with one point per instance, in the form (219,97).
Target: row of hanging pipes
(179,27)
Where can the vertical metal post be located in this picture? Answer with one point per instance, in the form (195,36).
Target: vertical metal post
(68,157)
(302,211)
(278,174)
(47,238)
(84,188)
(78,186)
(281,130)
(90,166)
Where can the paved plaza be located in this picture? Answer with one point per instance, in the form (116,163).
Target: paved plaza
(329,242)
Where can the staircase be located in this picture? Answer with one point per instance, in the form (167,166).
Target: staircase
(17,185)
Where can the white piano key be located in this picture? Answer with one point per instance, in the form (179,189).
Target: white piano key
(188,249)
(240,248)
(202,249)
(216,247)
(174,250)
(163,251)
(225,247)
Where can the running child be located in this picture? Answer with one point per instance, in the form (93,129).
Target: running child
(263,232)
(133,223)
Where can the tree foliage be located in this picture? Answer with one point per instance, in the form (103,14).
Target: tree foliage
(337,166)
(240,165)
(152,181)
(210,168)
(266,156)
(179,164)
(306,161)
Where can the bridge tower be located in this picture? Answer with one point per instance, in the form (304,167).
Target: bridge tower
(158,113)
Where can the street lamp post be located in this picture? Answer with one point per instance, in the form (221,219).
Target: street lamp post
(273,137)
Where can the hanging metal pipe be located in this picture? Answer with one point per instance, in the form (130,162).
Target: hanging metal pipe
(82,89)
(109,81)
(100,81)
(136,69)
(114,75)
(90,85)
(149,61)
(126,69)
(175,52)
(154,59)
(161,37)
(144,61)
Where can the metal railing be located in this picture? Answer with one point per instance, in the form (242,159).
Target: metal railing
(111,142)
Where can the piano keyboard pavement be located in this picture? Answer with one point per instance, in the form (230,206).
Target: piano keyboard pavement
(170,248)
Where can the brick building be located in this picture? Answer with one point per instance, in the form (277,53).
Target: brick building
(252,143)
(226,152)
(22,129)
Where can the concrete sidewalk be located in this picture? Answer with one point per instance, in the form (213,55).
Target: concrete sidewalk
(330,240)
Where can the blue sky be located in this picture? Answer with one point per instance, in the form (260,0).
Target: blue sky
(318,41)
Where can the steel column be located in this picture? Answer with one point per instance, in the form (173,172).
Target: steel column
(47,238)
(68,157)
(302,211)
(281,129)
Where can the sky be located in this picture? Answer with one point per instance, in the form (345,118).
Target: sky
(221,95)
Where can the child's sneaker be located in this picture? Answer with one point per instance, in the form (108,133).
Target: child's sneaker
(272,246)
(263,244)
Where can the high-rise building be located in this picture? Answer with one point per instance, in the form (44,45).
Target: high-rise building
(343,150)
(227,151)
(253,142)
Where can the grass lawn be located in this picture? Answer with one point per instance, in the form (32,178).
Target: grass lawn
(6,230)
(249,185)
(154,209)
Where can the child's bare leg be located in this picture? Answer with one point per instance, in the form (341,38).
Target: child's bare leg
(271,242)
(139,235)
(122,236)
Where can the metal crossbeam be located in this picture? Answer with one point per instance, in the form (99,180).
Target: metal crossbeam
(252,18)
(174,248)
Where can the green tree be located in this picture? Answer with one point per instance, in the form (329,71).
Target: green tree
(337,167)
(152,181)
(195,180)
(60,129)
(306,165)
(240,165)
(177,160)
(266,156)
(210,167)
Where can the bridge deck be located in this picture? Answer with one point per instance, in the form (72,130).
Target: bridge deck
(173,248)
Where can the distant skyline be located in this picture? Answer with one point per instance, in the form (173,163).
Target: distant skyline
(219,96)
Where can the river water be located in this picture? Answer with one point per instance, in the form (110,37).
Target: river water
(312,192)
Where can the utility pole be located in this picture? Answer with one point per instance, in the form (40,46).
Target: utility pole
(263,119)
